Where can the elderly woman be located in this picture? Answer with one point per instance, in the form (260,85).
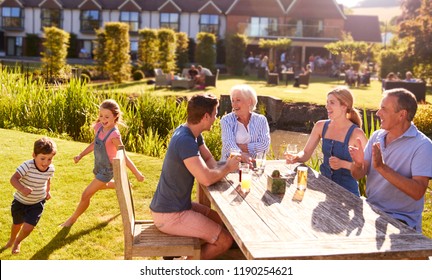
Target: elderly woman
(244,129)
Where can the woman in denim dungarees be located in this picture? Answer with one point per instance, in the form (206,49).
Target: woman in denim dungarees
(337,133)
(104,147)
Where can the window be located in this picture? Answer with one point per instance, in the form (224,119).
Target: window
(14,46)
(169,20)
(263,26)
(51,17)
(209,23)
(90,20)
(132,19)
(312,27)
(12,17)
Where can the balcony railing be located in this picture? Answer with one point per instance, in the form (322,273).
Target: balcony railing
(289,30)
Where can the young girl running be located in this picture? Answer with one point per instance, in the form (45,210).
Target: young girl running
(105,146)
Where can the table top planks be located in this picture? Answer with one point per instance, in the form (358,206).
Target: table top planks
(328,223)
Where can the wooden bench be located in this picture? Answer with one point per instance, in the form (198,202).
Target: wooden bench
(141,237)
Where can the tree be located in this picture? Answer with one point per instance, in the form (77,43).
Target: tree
(417,31)
(182,50)
(55,51)
(148,44)
(205,52)
(348,49)
(117,49)
(99,53)
(235,51)
(167,49)
(273,46)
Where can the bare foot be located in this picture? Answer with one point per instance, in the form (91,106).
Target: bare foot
(16,249)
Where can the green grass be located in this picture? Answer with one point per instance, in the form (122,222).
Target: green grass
(364,97)
(98,234)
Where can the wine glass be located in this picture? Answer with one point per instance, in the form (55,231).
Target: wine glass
(291,152)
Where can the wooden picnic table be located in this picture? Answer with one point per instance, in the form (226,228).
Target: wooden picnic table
(324,222)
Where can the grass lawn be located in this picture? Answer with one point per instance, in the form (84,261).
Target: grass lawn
(98,234)
(365,97)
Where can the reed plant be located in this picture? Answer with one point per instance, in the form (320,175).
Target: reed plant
(69,111)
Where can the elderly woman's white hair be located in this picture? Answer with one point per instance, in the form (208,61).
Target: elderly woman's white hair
(247,92)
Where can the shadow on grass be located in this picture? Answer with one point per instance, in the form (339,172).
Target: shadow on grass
(61,239)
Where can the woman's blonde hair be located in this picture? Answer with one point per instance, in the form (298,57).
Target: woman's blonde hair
(346,98)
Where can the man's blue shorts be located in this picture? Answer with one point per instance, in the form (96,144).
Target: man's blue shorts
(30,214)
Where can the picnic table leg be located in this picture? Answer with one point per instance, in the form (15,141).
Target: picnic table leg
(201,197)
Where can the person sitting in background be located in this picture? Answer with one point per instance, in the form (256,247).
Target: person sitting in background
(200,78)
(305,71)
(351,76)
(244,129)
(392,77)
(193,72)
(365,77)
(409,77)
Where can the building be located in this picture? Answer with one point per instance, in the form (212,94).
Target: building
(310,24)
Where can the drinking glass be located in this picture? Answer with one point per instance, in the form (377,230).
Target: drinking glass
(291,151)
(246,177)
(260,161)
(234,152)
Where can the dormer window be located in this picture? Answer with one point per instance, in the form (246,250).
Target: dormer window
(90,20)
(169,20)
(209,23)
(130,18)
(51,17)
(12,18)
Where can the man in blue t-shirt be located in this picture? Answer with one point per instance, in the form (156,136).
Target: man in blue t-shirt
(187,159)
(396,160)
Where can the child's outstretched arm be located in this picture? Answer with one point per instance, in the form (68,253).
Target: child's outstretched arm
(117,142)
(86,151)
(134,169)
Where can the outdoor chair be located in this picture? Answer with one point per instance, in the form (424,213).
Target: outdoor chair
(417,88)
(304,79)
(162,79)
(210,81)
(141,237)
(272,78)
(183,81)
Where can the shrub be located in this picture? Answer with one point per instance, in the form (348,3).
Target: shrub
(205,52)
(138,75)
(147,45)
(117,48)
(422,119)
(236,47)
